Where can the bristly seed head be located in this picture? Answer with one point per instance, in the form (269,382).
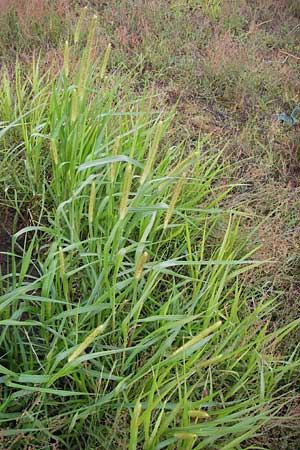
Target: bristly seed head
(62,261)
(126,190)
(54,152)
(92,202)
(105,61)
(113,165)
(173,201)
(152,153)
(140,265)
(66,58)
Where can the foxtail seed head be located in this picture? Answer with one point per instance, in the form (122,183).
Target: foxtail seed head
(66,58)
(173,201)
(140,265)
(184,435)
(86,59)
(152,153)
(105,61)
(79,23)
(87,342)
(74,105)
(198,337)
(126,190)
(180,167)
(92,202)
(113,165)
(62,261)
(54,152)
(198,414)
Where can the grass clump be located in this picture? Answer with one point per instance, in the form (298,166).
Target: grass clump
(125,323)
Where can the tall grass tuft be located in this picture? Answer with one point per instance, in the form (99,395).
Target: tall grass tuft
(125,323)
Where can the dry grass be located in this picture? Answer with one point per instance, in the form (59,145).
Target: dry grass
(28,26)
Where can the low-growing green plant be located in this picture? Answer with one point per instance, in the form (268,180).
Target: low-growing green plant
(125,323)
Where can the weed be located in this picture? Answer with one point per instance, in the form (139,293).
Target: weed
(126,304)
(113,294)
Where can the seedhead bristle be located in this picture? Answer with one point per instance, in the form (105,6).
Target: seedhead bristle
(126,190)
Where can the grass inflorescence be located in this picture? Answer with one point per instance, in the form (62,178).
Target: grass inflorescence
(126,322)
